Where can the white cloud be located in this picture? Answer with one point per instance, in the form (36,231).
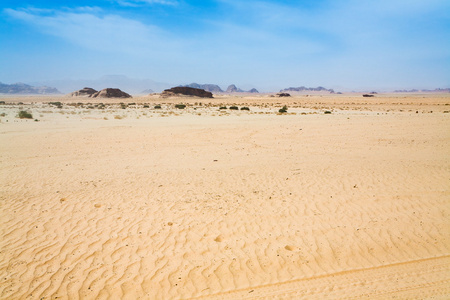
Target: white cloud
(136,3)
(109,33)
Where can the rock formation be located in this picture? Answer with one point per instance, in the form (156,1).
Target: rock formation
(110,93)
(186,91)
(233,89)
(283,95)
(213,88)
(85,92)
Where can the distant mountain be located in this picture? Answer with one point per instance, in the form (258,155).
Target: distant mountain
(233,89)
(131,85)
(22,88)
(213,88)
(147,91)
(307,89)
(438,90)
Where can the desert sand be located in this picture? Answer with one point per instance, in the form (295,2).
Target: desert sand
(144,203)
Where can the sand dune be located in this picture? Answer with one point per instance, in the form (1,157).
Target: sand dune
(202,204)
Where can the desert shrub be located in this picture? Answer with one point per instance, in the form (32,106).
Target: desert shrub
(180,106)
(245,108)
(223,107)
(157,107)
(123,106)
(118,117)
(283,109)
(4,114)
(146,106)
(327,112)
(25,115)
(2,102)
(234,107)
(57,104)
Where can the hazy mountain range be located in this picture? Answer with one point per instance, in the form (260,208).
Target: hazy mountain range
(307,89)
(214,88)
(22,88)
(129,85)
(146,86)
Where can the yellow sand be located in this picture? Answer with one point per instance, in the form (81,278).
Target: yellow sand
(197,203)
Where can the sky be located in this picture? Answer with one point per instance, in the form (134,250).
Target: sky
(340,44)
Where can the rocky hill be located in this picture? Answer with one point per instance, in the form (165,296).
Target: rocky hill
(213,88)
(22,88)
(186,91)
(110,93)
(233,89)
(85,92)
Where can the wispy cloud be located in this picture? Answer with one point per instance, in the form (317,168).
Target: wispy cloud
(137,3)
(93,30)
(323,42)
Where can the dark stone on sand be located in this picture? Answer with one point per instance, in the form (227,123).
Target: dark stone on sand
(283,95)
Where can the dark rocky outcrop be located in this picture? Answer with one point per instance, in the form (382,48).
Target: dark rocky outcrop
(85,92)
(254,91)
(22,88)
(213,88)
(186,91)
(368,95)
(110,93)
(283,95)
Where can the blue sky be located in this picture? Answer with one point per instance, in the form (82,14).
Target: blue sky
(352,44)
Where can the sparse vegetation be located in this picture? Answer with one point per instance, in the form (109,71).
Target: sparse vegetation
(327,112)
(180,106)
(118,117)
(283,109)
(234,107)
(146,106)
(24,115)
(245,108)
(2,102)
(223,107)
(57,104)
(157,107)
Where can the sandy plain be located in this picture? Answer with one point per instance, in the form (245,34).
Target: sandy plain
(100,202)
